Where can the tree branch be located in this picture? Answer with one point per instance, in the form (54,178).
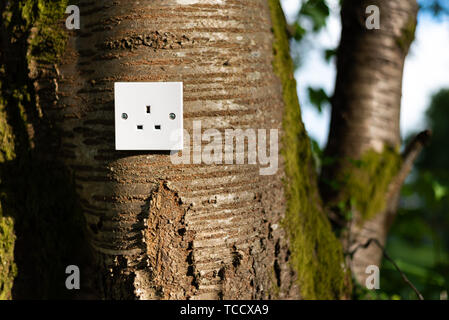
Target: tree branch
(404,277)
(409,156)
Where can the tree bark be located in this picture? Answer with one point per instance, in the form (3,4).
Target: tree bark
(165,231)
(40,229)
(364,138)
(159,230)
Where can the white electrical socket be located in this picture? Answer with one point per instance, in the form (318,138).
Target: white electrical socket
(148,115)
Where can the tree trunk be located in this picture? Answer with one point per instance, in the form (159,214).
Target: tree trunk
(366,170)
(191,231)
(157,230)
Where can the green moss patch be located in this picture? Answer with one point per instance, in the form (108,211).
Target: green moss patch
(8,269)
(408,35)
(36,198)
(366,181)
(48,44)
(316,253)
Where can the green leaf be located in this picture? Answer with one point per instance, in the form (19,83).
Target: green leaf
(318,98)
(317,11)
(298,31)
(329,54)
(439,190)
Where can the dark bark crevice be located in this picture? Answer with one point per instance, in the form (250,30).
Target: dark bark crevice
(36,188)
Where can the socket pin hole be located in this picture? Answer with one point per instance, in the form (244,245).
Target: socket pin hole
(139,127)
(157,127)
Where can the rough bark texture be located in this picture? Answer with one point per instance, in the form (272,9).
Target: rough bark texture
(364,138)
(159,230)
(40,229)
(176,231)
(164,231)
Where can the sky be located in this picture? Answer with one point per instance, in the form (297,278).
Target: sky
(426,70)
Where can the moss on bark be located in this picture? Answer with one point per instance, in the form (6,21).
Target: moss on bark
(408,35)
(365,182)
(38,204)
(316,253)
(8,269)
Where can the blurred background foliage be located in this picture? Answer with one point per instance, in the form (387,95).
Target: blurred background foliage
(419,238)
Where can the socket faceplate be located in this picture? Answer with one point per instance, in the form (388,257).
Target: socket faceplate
(148,115)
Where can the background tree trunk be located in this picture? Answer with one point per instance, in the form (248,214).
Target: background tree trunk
(366,169)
